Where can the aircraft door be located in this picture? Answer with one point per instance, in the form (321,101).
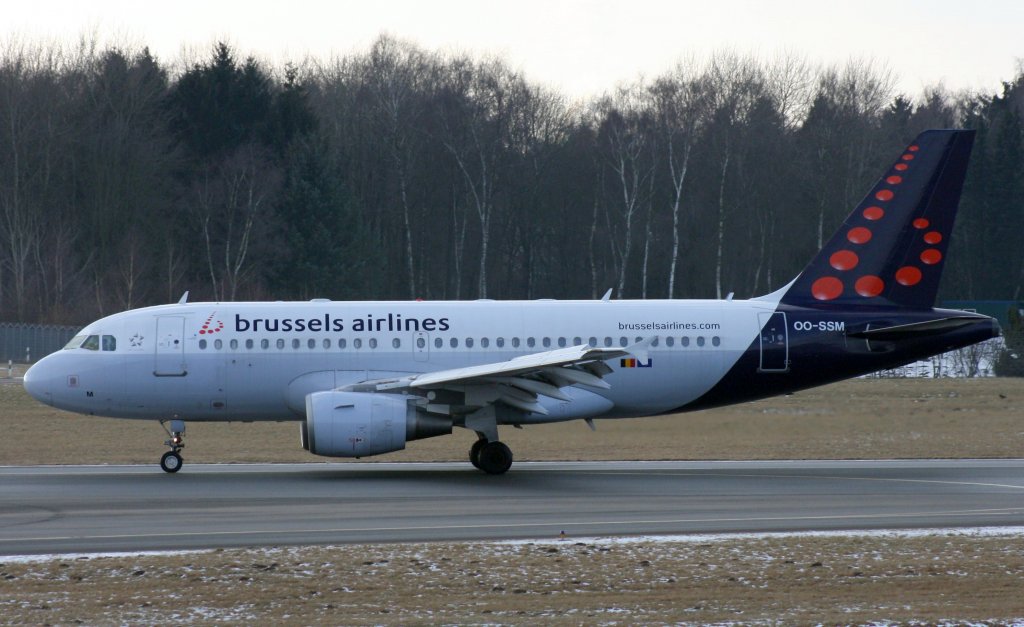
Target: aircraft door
(170,347)
(421,346)
(774,342)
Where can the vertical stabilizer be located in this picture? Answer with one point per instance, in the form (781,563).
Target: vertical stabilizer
(891,250)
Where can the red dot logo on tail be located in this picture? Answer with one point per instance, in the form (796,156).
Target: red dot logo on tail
(827,288)
(869,286)
(859,235)
(844,260)
(874,213)
(908,275)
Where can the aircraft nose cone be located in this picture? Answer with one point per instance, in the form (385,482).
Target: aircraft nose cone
(38,383)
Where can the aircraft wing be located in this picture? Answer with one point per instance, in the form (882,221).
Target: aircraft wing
(515,382)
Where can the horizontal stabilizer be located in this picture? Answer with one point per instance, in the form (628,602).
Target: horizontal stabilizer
(915,330)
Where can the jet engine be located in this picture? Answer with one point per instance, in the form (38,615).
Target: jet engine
(358,424)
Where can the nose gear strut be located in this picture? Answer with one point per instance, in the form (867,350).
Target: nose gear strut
(171,460)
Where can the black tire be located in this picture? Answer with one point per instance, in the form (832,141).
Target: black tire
(495,458)
(474,453)
(171,462)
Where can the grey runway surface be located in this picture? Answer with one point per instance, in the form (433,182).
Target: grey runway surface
(130,508)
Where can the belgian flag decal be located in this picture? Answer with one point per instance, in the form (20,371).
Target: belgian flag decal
(634,363)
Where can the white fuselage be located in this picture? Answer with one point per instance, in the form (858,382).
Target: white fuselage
(258,361)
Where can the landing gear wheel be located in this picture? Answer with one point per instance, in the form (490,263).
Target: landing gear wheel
(495,458)
(474,453)
(171,461)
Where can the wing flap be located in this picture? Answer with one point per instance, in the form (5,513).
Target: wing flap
(547,362)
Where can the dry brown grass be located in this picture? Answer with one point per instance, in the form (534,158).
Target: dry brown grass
(863,418)
(793,580)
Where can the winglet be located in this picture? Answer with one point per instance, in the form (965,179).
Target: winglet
(607,296)
(184,298)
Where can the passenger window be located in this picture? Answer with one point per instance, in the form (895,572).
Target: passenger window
(500,342)
(469,342)
(593,342)
(91,343)
(202,345)
(438,342)
(248,344)
(530,342)
(397,343)
(515,342)
(576,341)
(327,343)
(546,342)
(280,344)
(623,341)
(669,341)
(373,342)
(357,343)
(684,341)
(716,341)
(234,344)
(218,344)
(484,342)
(264,344)
(454,343)
(700,340)
(561,342)
(311,344)
(655,341)
(295,343)
(607,341)
(341,344)
(109,343)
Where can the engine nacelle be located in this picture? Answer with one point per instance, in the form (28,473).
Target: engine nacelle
(358,424)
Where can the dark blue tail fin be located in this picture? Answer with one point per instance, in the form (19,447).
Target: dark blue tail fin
(892,248)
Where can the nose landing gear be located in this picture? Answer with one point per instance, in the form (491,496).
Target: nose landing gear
(171,461)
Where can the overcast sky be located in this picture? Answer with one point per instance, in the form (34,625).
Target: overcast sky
(580,47)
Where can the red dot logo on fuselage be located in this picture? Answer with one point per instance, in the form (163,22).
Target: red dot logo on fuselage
(210,327)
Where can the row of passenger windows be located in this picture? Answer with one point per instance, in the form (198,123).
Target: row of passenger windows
(421,343)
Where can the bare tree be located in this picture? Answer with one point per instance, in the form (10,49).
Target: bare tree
(394,72)
(232,207)
(681,109)
(624,139)
(478,104)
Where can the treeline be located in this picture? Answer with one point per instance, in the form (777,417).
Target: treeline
(403,173)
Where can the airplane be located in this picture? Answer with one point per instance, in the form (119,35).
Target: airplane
(365,378)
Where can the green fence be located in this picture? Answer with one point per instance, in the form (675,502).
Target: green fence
(27,343)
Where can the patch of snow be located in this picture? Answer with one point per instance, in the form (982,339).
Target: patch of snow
(29,559)
(719,537)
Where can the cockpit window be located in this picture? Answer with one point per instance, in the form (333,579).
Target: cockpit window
(75,342)
(109,343)
(91,343)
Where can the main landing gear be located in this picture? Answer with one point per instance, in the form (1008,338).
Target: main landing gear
(492,457)
(171,460)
